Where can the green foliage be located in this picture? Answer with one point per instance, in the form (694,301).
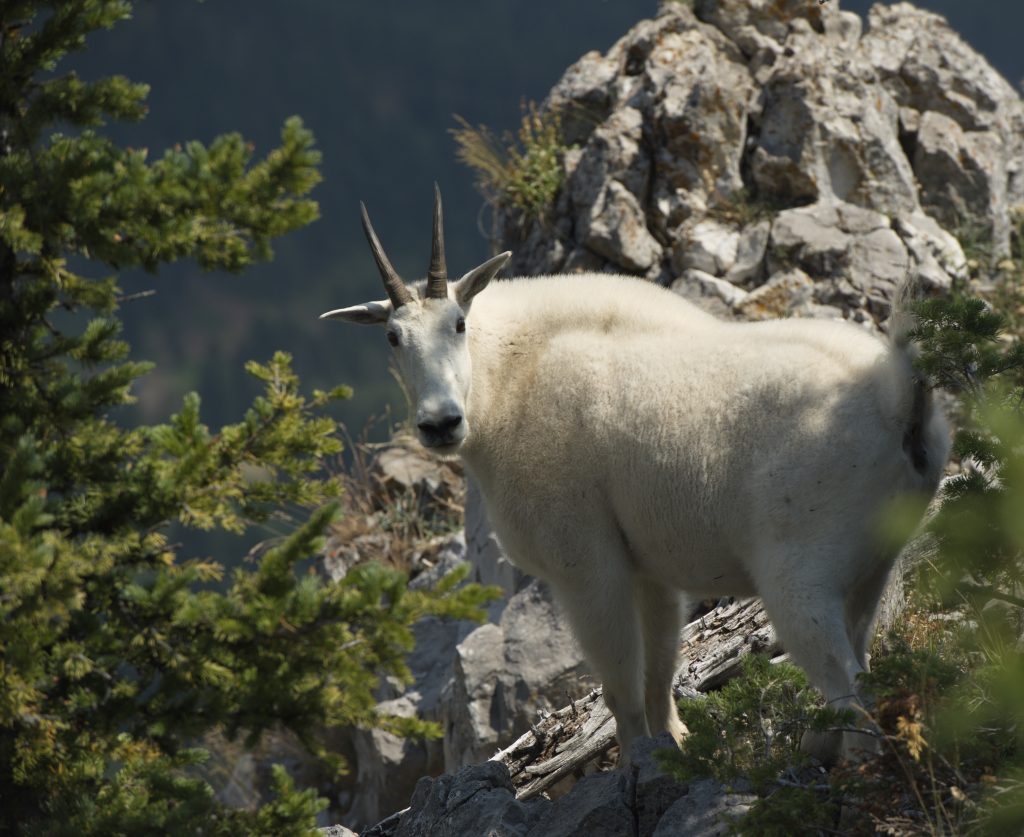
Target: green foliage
(953,710)
(961,347)
(525,171)
(752,727)
(118,650)
(750,732)
(789,810)
(978,530)
(743,207)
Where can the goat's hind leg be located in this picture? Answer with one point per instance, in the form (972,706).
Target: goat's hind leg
(662,611)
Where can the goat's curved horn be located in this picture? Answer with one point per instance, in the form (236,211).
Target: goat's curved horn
(437,275)
(397,291)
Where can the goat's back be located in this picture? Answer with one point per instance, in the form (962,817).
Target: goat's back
(614,397)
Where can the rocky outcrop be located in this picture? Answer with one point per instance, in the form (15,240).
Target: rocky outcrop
(642,801)
(506,673)
(765,158)
(780,158)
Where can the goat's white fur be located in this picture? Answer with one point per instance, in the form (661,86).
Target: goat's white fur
(633,450)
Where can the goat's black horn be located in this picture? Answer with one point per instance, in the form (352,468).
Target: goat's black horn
(437,275)
(397,291)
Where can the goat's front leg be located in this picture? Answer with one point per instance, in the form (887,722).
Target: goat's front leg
(804,592)
(600,607)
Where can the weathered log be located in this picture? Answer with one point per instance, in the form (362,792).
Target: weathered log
(565,742)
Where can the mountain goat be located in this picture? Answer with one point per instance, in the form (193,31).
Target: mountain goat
(633,450)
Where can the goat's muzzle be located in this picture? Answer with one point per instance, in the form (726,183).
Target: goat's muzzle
(444,431)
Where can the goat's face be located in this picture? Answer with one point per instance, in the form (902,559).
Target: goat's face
(426,327)
(431,352)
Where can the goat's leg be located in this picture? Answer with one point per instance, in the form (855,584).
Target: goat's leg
(599,606)
(809,617)
(662,611)
(862,608)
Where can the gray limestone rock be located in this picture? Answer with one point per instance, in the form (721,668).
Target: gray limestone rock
(963,176)
(583,96)
(854,251)
(709,245)
(597,806)
(928,68)
(616,229)
(655,791)
(704,811)
(789,103)
(479,799)
(505,673)
(808,237)
(936,255)
(825,129)
(750,252)
(386,766)
(698,121)
(714,295)
(782,295)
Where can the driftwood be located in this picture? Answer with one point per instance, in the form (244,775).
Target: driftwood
(565,742)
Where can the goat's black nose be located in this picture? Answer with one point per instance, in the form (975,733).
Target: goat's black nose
(441,427)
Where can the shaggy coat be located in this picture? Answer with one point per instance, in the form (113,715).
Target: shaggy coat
(634,452)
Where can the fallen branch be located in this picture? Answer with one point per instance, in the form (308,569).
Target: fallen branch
(565,742)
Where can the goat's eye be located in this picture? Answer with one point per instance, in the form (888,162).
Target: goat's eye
(392,338)
(460,325)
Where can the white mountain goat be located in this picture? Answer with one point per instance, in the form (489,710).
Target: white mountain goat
(632,450)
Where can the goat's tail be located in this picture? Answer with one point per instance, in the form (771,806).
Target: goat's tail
(926,434)
(902,320)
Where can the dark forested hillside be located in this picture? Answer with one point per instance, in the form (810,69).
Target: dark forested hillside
(378,83)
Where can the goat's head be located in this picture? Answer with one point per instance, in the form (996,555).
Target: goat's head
(425,324)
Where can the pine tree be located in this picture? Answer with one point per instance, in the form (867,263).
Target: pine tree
(118,650)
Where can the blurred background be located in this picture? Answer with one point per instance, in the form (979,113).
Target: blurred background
(380,85)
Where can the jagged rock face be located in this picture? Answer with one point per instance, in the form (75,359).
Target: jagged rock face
(485,684)
(783,144)
(640,802)
(506,673)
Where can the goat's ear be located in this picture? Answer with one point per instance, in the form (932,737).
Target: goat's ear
(476,280)
(369,313)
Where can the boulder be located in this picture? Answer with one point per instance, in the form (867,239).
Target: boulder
(615,228)
(784,294)
(714,295)
(750,252)
(597,806)
(933,73)
(478,799)
(709,245)
(963,176)
(505,673)
(640,801)
(704,811)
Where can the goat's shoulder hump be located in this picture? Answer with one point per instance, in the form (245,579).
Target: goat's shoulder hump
(590,300)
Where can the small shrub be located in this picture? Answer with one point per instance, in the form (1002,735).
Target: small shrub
(752,727)
(742,207)
(523,171)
